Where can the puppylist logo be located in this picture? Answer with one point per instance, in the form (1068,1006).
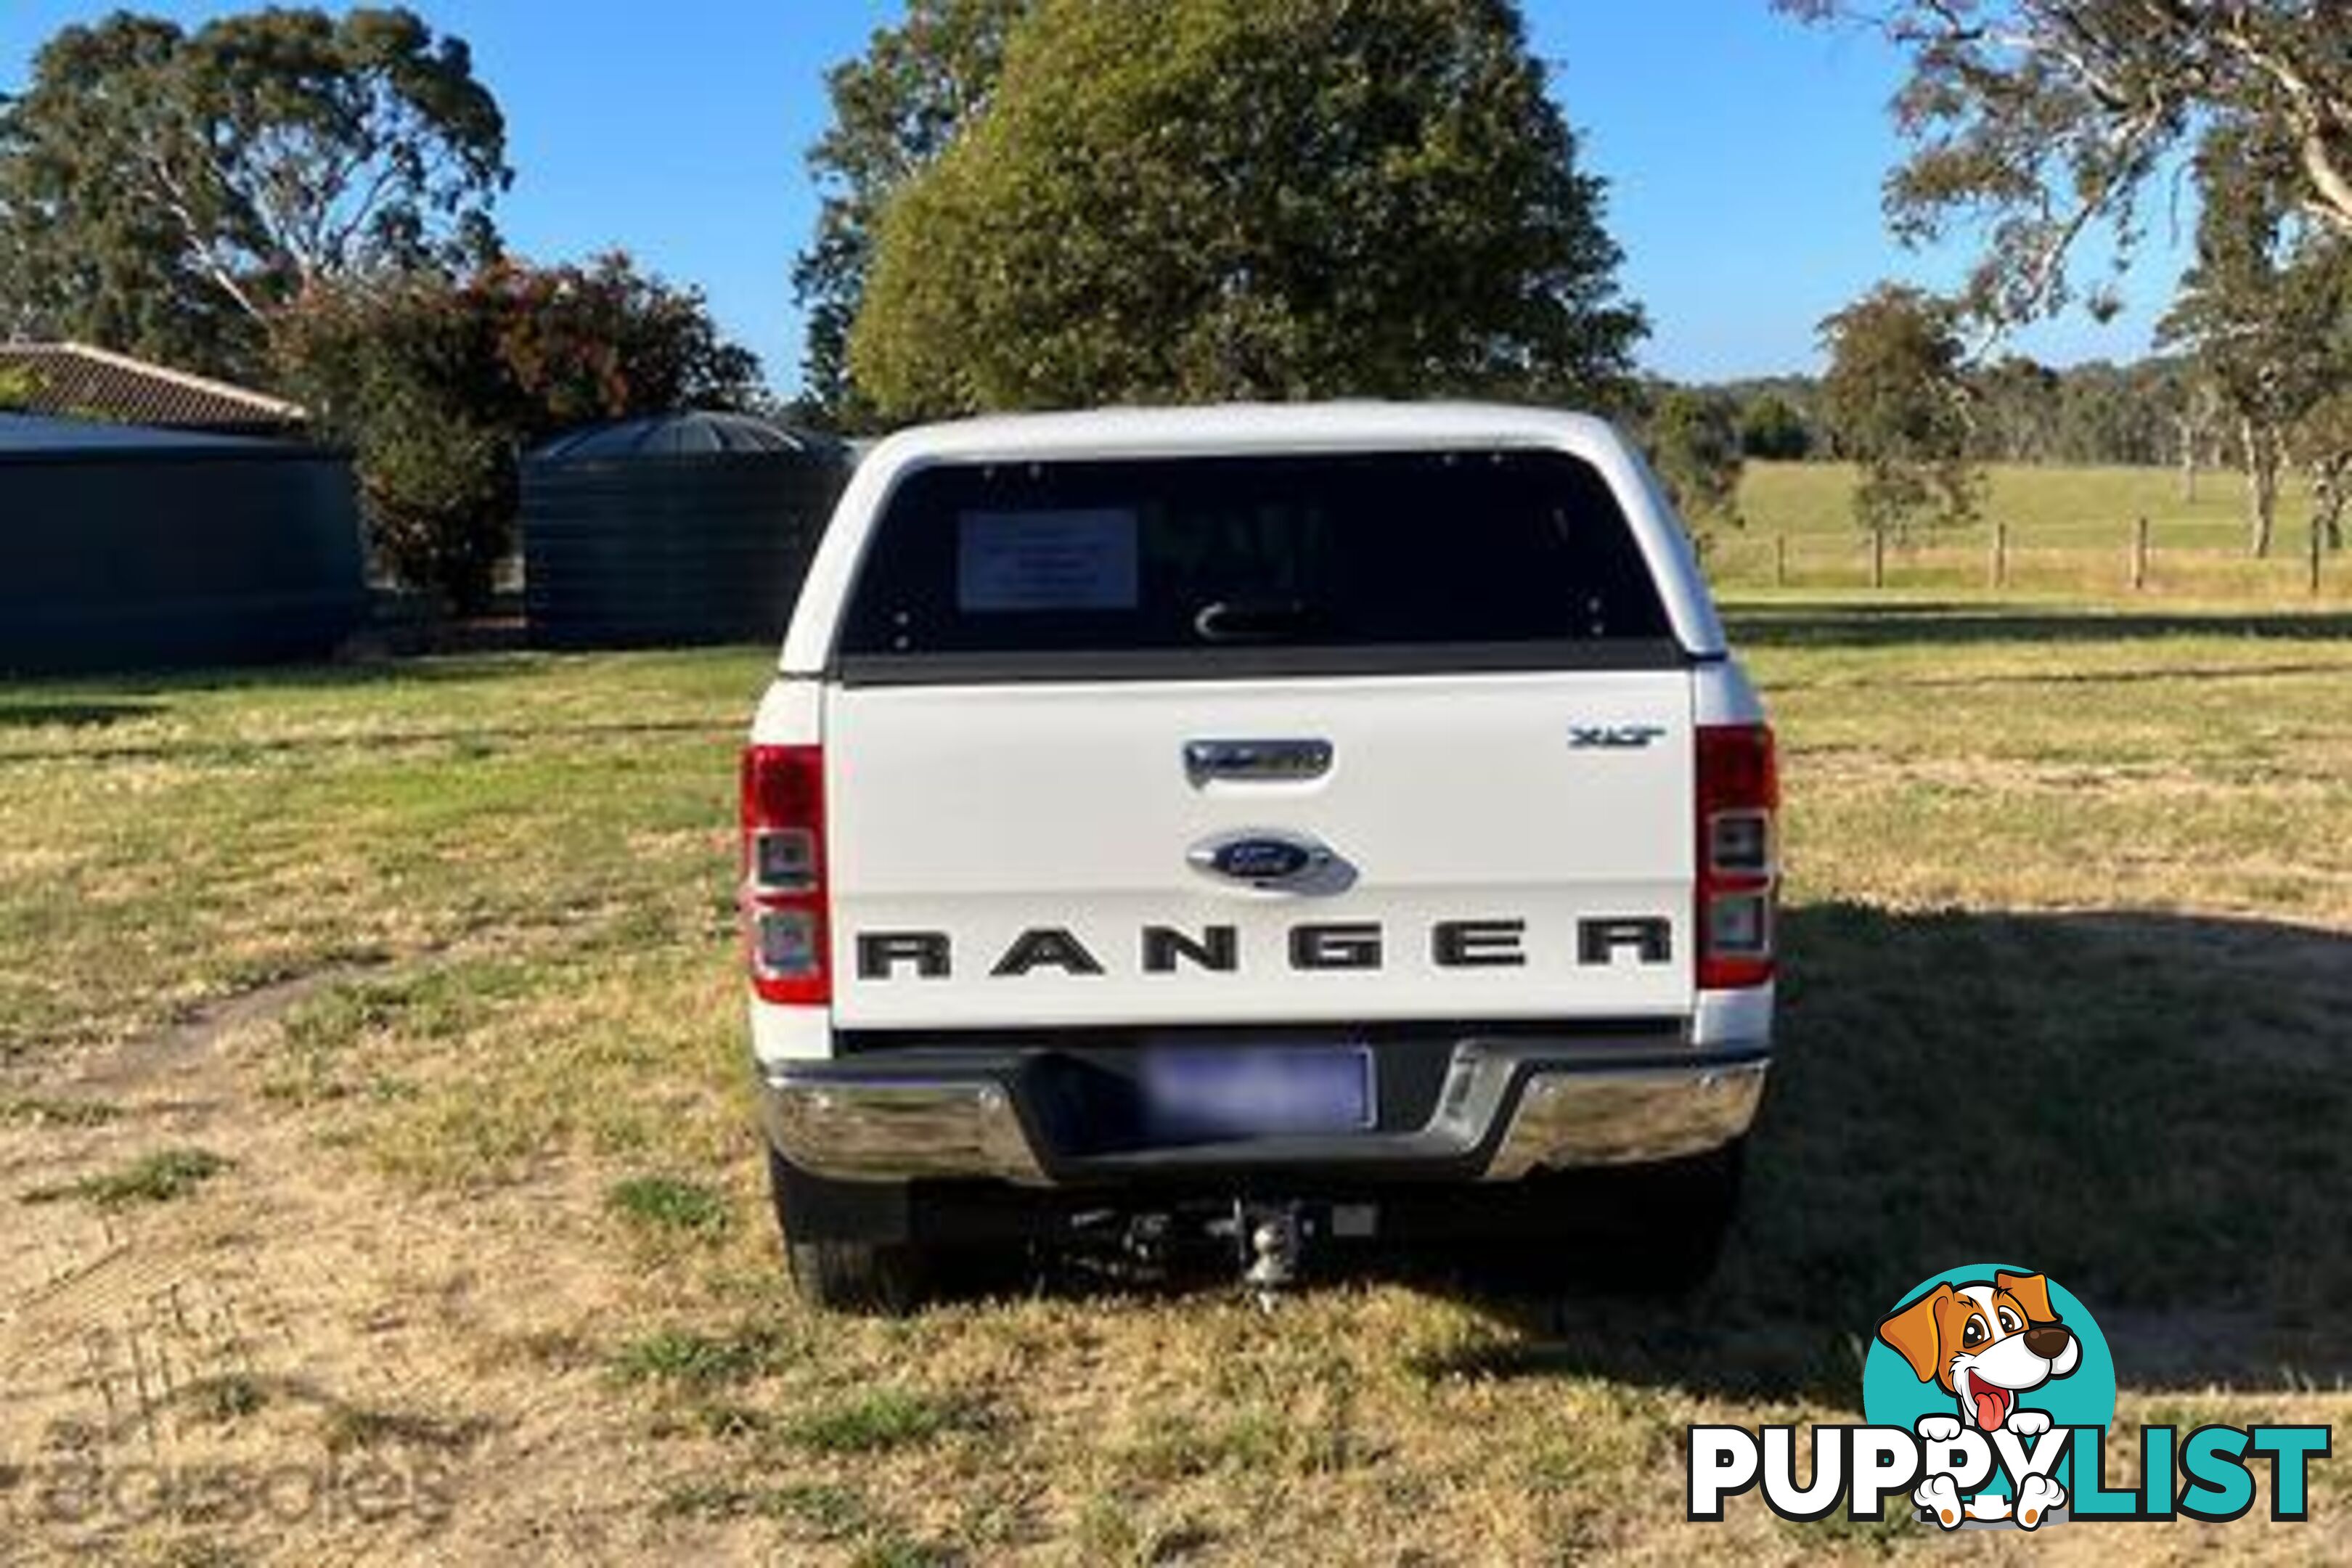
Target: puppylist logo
(1987,1396)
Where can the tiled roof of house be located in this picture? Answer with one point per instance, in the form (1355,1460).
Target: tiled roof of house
(76,380)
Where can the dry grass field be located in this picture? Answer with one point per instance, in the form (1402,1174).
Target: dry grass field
(378,1182)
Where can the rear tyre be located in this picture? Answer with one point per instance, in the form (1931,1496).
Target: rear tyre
(1647,1230)
(881,1272)
(1692,1204)
(871,1278)
(836,1274)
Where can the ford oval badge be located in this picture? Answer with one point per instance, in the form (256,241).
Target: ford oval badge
(1260,858)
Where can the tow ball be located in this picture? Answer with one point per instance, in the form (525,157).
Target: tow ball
(1271,1241)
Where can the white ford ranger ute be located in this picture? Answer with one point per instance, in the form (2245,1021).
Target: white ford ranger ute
(1277,823)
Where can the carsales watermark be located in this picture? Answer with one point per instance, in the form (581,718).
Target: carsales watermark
(75,1493)
(1988,1396)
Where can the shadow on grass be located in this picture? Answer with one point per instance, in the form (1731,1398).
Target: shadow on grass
(2152,1109)
(2164,673)
(277,678)
(1833,624)
(343,1424)
(484,738)
(91,714)
(282,679)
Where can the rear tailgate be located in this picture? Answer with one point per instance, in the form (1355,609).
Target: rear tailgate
(1486,866)
(1467,643)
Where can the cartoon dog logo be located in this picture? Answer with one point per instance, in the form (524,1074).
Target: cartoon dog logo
(1985,1342)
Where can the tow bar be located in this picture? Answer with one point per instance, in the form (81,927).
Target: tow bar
(1267,1239)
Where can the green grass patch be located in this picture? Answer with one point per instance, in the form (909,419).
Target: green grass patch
(888,1549)
(701,1498)
(875,1420)
(162,1177)
(1113,1528)
(1177,1446)
(34,1110)
(698,1361)
(354,1427)
(818,1509)
(830,1511)
(668,1205)
(225,1399)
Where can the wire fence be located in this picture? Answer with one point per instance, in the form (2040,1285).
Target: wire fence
(2136,557)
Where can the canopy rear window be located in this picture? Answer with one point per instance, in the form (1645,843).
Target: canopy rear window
(1345,563)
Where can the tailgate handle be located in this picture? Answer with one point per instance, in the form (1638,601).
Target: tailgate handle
(1267,759)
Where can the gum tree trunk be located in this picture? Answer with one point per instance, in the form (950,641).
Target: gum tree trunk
(2262,459)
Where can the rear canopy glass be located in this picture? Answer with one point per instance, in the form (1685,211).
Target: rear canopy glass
(1436,559)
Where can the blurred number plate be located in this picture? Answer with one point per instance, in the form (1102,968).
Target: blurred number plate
(1240,1091)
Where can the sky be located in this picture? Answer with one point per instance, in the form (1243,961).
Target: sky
(1744,155)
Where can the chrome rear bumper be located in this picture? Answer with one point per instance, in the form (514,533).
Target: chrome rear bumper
(897,1129)
(1503,1111)
(1627,1116)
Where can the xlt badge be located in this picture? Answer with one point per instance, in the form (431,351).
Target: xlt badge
(1612,737)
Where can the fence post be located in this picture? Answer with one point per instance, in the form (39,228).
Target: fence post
(1779,560)
(2140,554)
(2313,575)
(1998,574)
(1878,558)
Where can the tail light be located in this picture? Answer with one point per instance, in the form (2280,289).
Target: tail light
(784,896)
(1738,854)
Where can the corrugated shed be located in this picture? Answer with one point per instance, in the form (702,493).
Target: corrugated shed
(32,436)
(123,549)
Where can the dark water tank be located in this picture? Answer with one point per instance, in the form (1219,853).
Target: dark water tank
(686,527)
(127,547)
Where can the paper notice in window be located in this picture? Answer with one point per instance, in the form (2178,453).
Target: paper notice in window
(1063,560)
